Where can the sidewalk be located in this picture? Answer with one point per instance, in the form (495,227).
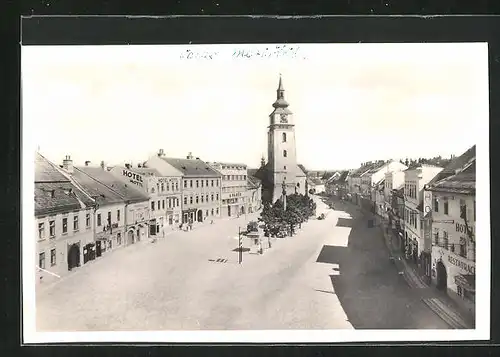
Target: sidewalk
(440,304)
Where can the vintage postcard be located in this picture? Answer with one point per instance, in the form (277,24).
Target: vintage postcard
(256,193)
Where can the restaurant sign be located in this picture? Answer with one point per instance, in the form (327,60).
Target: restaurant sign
(469,268)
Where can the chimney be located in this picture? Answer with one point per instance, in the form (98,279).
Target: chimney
(189,156)
(87,163)
(68,164)
(102,165)
(161,153)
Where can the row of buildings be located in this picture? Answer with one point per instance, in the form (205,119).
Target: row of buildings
(82,212)
(432,211)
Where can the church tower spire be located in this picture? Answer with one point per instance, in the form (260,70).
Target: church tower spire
(280,96)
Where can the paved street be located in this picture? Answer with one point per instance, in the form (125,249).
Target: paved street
(328,276)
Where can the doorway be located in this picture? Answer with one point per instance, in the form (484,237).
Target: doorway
(73,256)
(442,276)
(200,215)
(130,237)
(98,249)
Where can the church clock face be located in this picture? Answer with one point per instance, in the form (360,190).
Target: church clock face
(283,118)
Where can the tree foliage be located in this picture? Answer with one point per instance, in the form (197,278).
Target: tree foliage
(299,208)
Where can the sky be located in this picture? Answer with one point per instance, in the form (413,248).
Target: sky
(351,102)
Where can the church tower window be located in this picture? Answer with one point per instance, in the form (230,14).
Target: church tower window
(285,153)
(284,137)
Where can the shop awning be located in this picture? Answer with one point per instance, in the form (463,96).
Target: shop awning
(466,281)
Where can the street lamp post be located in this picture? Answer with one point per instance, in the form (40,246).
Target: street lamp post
(240,248)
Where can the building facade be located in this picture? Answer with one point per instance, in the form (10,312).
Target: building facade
(281,172)
(254,194)
(454,230)
(234,188)
(201,186)
(416,178)
(393,180)
(63,222)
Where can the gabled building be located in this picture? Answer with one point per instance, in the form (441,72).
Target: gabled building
(393,180)
(254,194)
(453,217)
(201,186)
(63,221)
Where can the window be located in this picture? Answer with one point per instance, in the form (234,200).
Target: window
(168,186)
(197,183)
(190,183)
(462,252)
(197,199)
(152,205)
(41,230)
(202,183)
(202,198)
(436,205)
(177,200)
(177,186)
(159,204)
(445,239)
(207,198)
(284,167)
(157,187)
(212,183)
(217,211)
(162,187)
(212,211)
(185,200)
(191,199)
(283,137)
(118,215)
(118,238)
(41,260)
(217,183)
(152,190)
(109,218)
(463,209)
(169,204)
(217,198)
(445,208)
(87,220)
(185,184)
(99,220)
(52,257)
(436,237)
(65,225)
(212,196)
(206,183)
(75,223)
(285,153)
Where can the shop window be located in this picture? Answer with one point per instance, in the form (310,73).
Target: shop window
(52,257)
(65,225)
(41,260)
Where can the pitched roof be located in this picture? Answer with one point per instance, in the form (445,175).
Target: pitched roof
(54,192)
(253,182)
(420,165)
(147,170)
(252,172)
(302,168)
(102,194)
(461,161)
(464,182)
(125,191)
(46,171)
(192,167)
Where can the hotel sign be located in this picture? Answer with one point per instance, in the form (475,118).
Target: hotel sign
(134,178)
(469,268)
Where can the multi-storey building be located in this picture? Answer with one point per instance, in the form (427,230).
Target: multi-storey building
(63,221)
(254,194)
(416,178)
(201,186)
(233,188)
(393,180)
(454,229)
(164,196)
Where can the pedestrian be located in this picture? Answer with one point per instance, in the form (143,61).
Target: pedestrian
(260,247)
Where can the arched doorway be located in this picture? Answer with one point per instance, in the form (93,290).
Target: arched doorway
(130,237)
(200,215)
(73,256)
(442,276)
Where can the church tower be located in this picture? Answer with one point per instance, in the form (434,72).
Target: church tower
(281,153)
